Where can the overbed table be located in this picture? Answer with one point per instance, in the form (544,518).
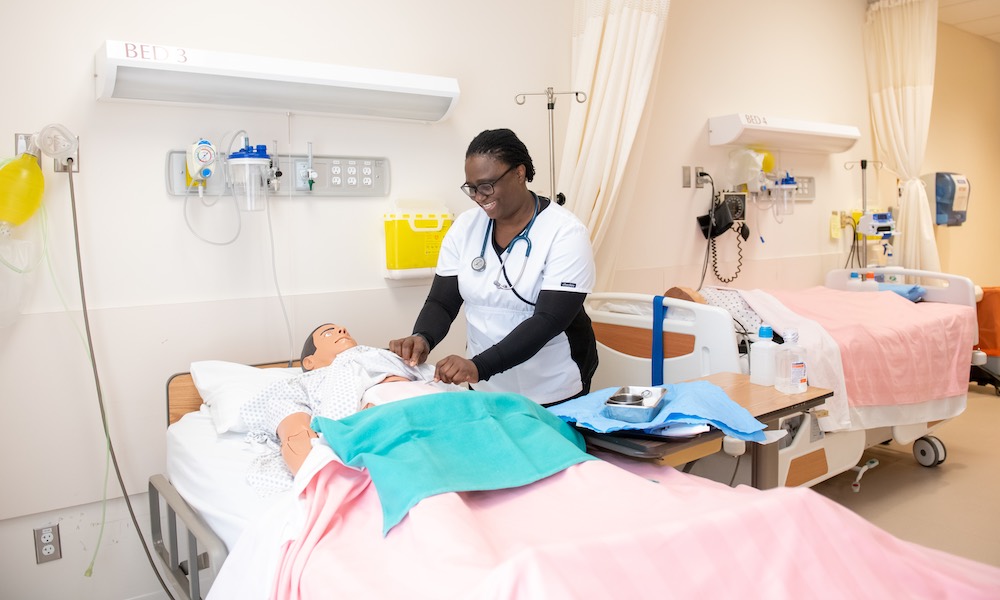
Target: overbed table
(765,403)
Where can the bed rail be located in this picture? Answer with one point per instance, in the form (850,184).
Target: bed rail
(941,287)
(184,573)
(698,339)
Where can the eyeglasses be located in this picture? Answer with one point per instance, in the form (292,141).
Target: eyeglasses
(486,189)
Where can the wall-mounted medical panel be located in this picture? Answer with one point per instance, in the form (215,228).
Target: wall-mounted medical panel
(135,71)
(776,134)
(301,175)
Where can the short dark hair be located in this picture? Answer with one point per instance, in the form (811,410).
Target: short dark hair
(308,348)
(503,145)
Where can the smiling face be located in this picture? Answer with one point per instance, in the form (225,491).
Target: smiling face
(330,340)
(508,185)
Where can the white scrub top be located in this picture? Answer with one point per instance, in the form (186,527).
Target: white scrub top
(561,259)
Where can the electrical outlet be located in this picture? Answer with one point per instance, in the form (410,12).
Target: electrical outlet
(698,181)
(47,544)
(805,188)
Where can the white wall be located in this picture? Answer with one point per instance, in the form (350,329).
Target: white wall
(793,60)
(159,297)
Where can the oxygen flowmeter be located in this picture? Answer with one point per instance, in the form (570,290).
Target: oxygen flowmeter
(200,163)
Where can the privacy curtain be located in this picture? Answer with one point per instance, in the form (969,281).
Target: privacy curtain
(900,38)
(615,45)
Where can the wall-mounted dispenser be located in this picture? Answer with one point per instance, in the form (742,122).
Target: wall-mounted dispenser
(948,194)
(151,73)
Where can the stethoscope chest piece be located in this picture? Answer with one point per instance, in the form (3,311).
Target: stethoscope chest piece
(479,264)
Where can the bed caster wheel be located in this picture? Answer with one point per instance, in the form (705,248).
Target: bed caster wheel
(929,451)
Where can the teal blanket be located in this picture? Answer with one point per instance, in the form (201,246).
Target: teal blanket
(451,442)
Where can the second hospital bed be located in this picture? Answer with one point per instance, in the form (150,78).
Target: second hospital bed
(593,529)
(875,350)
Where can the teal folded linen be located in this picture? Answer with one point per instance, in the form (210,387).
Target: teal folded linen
(451,442)
(688,403)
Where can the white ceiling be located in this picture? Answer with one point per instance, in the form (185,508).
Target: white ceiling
(981,17)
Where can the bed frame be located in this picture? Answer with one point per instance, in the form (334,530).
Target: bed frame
(204,549)
(700,340)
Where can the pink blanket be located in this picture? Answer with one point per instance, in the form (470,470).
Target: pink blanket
(893,351)
(595,530)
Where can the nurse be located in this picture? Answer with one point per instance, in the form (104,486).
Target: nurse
(523,266)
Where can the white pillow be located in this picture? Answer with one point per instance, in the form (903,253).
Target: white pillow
(225,386)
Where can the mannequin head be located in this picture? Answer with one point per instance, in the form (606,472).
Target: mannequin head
(324,344)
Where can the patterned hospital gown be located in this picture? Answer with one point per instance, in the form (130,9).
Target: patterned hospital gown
(333,392)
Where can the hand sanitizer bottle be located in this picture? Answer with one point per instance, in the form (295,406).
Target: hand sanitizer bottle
(762,354)
(790,365)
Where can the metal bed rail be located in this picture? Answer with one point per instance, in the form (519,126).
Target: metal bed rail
(185,574)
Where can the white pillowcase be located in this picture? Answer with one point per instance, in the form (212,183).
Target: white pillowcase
(225,386)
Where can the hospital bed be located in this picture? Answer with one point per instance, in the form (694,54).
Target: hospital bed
(700,339)
(593,529)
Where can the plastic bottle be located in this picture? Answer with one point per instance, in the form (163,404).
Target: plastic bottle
(862,282)
(762,354)
(21,187)
(790,365)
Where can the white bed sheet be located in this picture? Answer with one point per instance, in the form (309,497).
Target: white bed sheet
(209,471)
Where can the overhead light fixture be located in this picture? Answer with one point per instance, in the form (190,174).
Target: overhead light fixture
(774,133)
(133,71)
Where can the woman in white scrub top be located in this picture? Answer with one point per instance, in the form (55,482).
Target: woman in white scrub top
(522,266)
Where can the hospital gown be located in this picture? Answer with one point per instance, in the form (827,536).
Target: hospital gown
(333,392)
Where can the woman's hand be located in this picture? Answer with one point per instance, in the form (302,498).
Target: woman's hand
(412,349)
(456,369)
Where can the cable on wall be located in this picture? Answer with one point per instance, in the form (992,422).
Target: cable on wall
(100,401)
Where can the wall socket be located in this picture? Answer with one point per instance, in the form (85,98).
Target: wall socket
(805,188)
(47,545)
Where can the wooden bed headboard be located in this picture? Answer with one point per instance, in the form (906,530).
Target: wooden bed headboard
(183,396)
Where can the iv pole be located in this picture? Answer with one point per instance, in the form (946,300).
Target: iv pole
(864,201)
(551,96)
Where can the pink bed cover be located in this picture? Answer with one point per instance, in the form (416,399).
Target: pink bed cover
(598,531)
(893,351)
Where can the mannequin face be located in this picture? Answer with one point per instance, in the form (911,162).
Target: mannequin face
(330,340)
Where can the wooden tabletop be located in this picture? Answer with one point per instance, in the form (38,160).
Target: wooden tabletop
(764,402)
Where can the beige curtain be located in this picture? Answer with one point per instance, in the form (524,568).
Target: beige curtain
(615,45)
(900,38)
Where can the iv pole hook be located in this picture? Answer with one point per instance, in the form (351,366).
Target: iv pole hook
(551,98)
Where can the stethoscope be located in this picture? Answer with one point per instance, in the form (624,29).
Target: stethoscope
(479,263)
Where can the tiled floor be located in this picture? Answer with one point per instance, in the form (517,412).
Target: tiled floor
(953,507)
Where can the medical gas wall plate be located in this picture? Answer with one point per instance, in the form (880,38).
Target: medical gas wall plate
(335,176)
(340,176)
(21,142)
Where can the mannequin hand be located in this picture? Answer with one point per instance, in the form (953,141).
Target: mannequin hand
(412,349)
(456,369)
